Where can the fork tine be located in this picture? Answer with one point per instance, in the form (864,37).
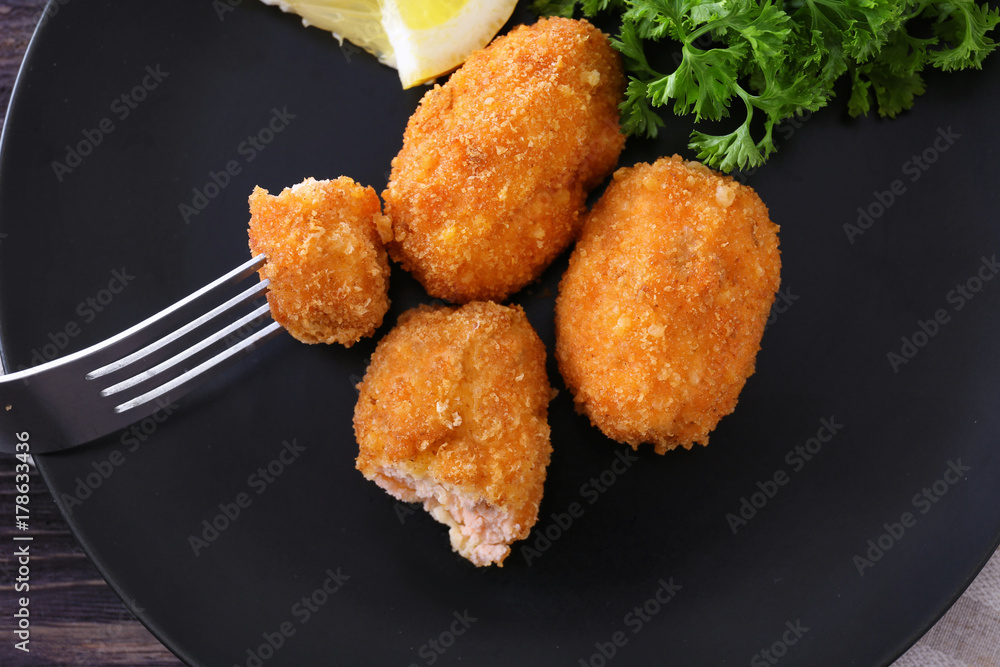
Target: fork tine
(155,326)
(247,295)
(181,356)
(186,380)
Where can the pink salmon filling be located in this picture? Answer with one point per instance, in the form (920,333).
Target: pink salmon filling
(479,531)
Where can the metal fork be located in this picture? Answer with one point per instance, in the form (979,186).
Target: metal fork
(91,393)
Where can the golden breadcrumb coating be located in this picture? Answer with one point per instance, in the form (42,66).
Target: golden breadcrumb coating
(661,311)
(326,258)
(453,412)
(495,167)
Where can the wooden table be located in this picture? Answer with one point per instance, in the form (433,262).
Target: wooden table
(76,619)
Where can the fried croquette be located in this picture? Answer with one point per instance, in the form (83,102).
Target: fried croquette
(452,413)
(496,164)
(326,258)
(661,312)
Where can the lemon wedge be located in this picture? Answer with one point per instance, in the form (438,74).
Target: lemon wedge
(423,39)
(359,21)
(433,37)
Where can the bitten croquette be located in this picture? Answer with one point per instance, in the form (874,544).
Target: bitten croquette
(496,164)
(326,258)
(660,314)
(452,412)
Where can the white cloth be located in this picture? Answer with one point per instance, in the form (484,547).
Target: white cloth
(968,635)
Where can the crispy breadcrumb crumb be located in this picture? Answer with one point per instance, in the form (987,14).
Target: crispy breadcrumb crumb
(661,312)
(452,412)
(326,258)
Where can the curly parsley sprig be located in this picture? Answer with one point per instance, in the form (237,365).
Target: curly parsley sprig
(781,58)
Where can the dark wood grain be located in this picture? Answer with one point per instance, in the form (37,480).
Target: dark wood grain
(18,19)
(76,619)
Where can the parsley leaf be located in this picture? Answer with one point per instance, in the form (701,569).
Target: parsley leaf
(638,115)
(564,8)
(780,58)
(963,26)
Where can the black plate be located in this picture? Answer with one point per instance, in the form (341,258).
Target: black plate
(94,249)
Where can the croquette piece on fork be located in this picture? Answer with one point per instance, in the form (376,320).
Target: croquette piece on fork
(326,258)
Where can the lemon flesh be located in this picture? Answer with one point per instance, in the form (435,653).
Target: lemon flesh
(423,39)
(431,38)
(359,21)
(423,15)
